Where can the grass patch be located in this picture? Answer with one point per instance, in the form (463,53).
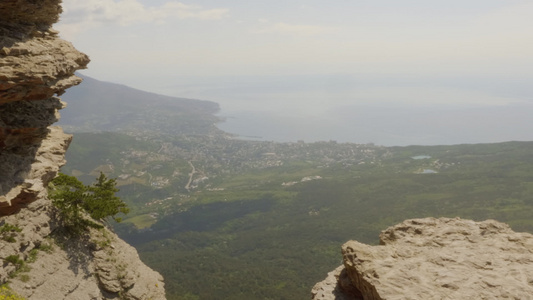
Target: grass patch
(142,221)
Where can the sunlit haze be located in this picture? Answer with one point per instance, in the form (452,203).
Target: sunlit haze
(300,64)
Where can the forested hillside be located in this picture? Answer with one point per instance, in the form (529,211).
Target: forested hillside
(96,106)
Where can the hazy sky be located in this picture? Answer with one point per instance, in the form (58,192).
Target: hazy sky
(129,38)
(324,54)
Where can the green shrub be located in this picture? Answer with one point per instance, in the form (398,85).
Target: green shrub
(47,245)
(24,277)
(32,257)
(8,232)
(15,260)
(75,200)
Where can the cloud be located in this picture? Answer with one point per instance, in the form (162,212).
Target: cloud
(294,29)
(80,15)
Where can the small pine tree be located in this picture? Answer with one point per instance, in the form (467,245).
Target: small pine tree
(73,198)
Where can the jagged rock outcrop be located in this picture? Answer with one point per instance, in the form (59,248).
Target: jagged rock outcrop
(35,67)
(338,286)
(98,265)
(436,259)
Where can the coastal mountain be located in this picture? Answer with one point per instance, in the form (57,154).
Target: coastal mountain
(40,260)
(95,106)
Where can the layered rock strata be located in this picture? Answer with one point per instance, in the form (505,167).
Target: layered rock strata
(436,259)
(35,67)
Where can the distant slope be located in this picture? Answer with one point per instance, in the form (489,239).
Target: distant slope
(95,106)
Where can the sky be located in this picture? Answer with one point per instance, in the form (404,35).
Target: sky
(311,56)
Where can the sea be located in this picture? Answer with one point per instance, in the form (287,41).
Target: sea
(367,109)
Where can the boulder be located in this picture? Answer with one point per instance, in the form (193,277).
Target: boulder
(441,259)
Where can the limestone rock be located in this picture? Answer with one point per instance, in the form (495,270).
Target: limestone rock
(337,286)
(118,269)
(33,224)
(443,259)
(35,65)
(26,172)
(37,259)
(32,13)
(99,266)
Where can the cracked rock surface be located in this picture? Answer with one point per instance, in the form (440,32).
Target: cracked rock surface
(439,259)
(35,65)
(98,266)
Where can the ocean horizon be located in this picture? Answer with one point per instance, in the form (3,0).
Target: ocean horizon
(385,126)
(364,108)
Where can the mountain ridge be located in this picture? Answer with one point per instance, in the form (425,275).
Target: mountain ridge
(96,106)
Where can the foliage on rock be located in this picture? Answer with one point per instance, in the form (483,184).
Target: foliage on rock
(7,294)
(75,201)
(8,232)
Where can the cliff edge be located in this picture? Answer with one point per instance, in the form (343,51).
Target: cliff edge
(36,66)
(435,259)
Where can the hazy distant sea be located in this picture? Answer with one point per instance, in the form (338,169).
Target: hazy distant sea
(384,126)
(384,111)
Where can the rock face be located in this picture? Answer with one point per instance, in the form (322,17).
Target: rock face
(97,266)
(437,259)
(35,67)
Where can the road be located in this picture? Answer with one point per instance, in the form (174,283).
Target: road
(191,175)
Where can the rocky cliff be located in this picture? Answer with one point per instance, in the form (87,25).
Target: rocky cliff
(36,66)
(435,259)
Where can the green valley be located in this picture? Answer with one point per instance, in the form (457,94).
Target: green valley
(222,218)
(267,226)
